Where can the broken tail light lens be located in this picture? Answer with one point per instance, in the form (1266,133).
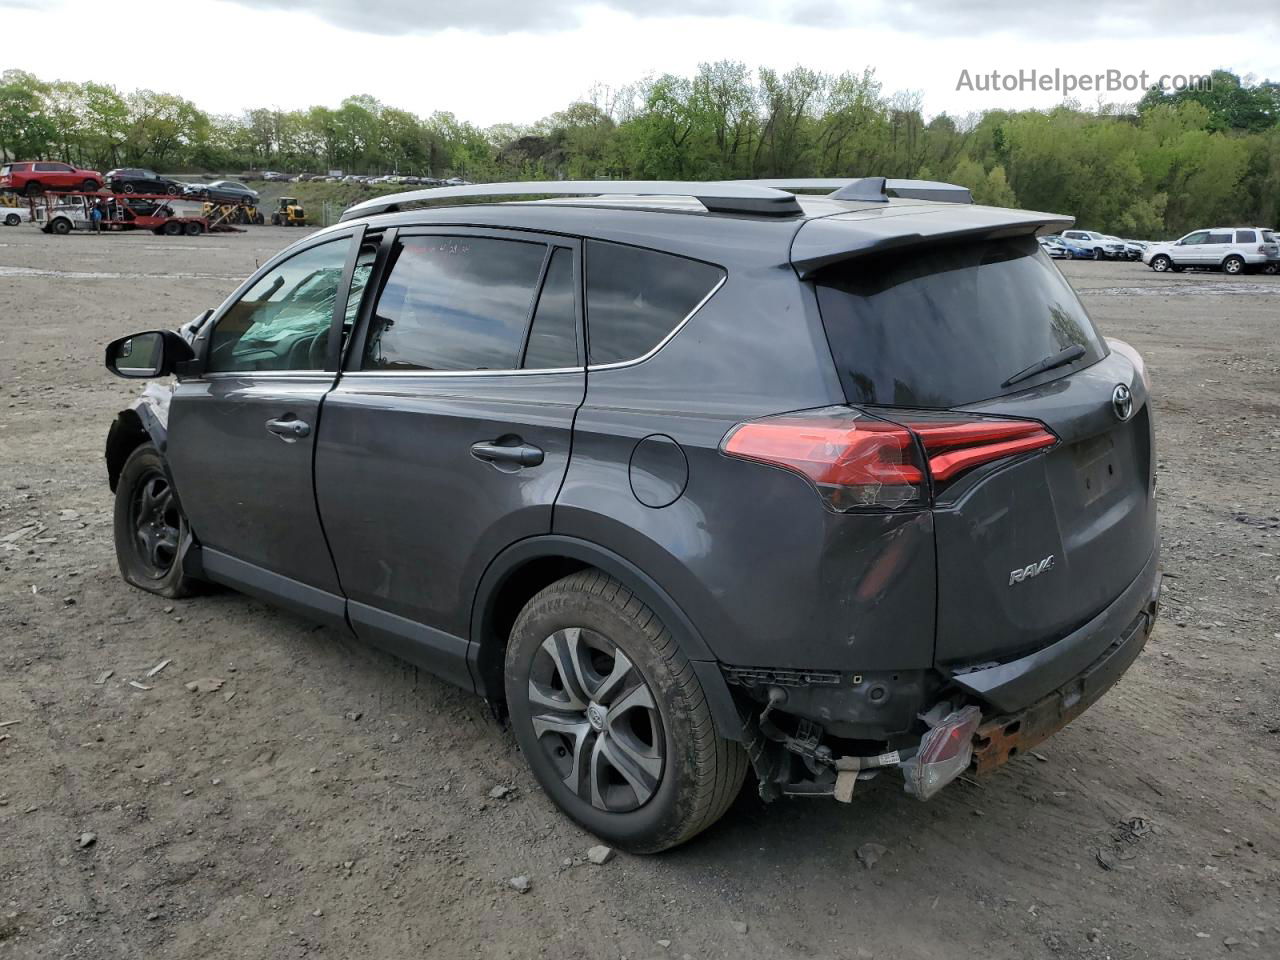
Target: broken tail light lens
(857,460)
(944,754)
(852,458)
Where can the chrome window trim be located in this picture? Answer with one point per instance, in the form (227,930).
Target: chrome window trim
(618,364)
(459,373)
(325,375)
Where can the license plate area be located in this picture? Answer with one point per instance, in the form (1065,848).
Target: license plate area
(1097,467)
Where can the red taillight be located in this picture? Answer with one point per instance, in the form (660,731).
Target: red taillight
(858,460)
(854,460)
(953,447)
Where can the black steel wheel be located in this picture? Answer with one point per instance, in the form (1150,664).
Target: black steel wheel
(151,532)
(612,719)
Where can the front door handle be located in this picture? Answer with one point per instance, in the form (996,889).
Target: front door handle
(289,429)
(517,454)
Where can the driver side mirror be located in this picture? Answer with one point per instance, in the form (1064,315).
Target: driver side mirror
(143,356)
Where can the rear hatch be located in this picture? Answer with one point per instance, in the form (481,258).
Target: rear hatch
(1031,542)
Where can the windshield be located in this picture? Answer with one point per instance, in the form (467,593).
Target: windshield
(948,326)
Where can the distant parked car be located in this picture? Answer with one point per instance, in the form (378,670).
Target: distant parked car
(1103,247)
(457,182)
(272,176)
(1065,249)
(140,180)
(1128,251)
(222,191)
(1232,250)
(35,177)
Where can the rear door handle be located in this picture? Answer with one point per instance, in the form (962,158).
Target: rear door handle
(289,429)
(518,454)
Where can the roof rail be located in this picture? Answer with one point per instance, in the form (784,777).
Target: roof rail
(717,197)
(875,189)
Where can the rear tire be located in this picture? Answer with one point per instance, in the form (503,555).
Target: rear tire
(1272,268)
(12,220)
(129,188)
(61,227)
(193,228)
(90,186)
(33,189)
(1233,265)
(597,686)
(151,532)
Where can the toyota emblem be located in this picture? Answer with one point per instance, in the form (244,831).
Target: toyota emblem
(1122,402)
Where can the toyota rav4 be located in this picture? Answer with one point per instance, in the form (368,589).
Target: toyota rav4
(687,479)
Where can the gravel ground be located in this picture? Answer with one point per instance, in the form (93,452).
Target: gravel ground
(262,820)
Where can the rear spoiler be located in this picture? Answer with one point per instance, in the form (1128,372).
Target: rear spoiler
(827,240)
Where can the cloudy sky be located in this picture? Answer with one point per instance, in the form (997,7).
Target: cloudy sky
(492,61)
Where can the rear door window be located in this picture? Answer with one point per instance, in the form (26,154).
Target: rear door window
(948,326)
(1219,238)
(454,303)
(636,297)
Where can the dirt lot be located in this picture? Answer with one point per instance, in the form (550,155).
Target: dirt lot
(269,824)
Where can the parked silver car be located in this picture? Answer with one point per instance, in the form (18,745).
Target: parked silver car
(1232,250)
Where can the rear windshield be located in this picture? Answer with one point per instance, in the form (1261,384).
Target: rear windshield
(949,325)
(1268,236)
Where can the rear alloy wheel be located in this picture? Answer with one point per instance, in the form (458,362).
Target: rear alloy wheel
(1161,263)
(612,719)
(1233,265)
(128,188)
(1272,268)
(151,532)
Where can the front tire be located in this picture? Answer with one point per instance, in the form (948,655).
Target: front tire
(612,719)
(1161,263)
(151,532)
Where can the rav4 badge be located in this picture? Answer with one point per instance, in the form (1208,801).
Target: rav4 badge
(1030,570)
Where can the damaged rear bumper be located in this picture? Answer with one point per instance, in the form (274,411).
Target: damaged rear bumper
(1016,685)
(1001,738)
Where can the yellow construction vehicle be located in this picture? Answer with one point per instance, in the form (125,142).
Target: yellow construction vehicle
(289,213)
(231,213)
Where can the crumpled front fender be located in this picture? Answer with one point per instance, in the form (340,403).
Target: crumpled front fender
(147,418)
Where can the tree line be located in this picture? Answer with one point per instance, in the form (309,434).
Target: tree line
(1163,166)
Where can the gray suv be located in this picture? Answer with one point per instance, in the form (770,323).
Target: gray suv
(687,479)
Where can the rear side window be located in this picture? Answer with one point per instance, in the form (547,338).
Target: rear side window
(949,326)
(553,335)
(454,303)
(1219,238)
(635,297)
(1246,236)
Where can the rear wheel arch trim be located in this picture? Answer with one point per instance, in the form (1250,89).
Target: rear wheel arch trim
(486,648)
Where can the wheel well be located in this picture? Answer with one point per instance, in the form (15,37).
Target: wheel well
(504,606)
(126,434)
